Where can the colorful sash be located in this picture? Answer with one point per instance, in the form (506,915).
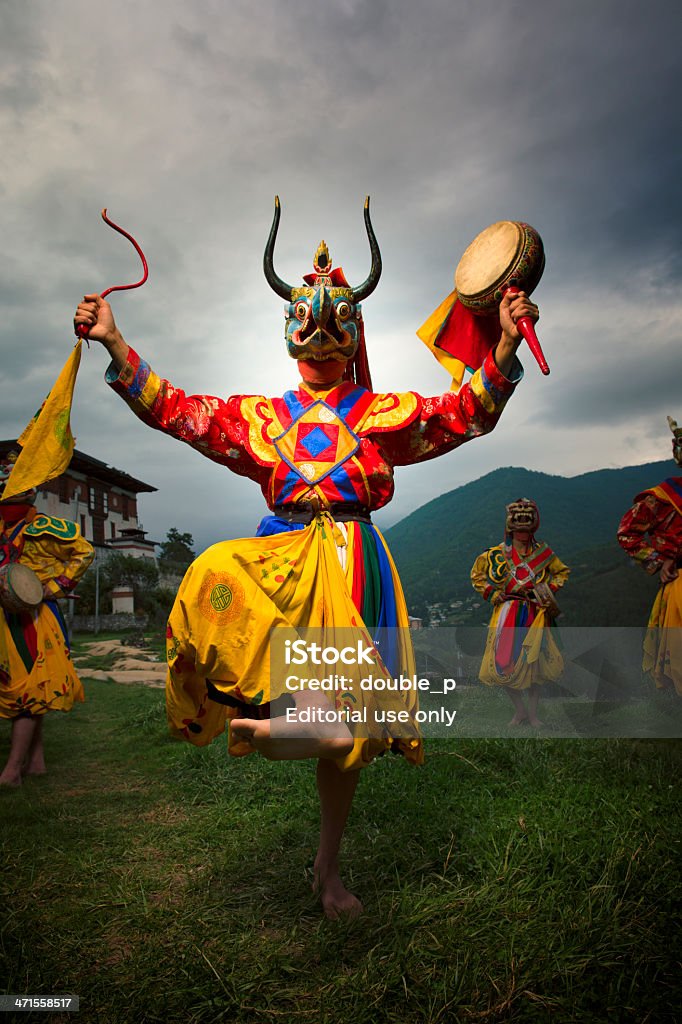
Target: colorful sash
(535,564)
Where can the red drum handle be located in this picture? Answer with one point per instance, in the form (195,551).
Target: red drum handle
(527,329)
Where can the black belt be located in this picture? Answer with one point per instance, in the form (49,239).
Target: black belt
(342,512)
(269,709)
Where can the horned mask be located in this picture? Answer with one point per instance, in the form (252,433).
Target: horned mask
(324,317)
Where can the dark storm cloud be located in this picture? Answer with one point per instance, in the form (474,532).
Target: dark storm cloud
(578,103)
(617,393)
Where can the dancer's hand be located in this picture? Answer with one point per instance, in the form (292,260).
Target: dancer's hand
(669,571)
(512,308)
(97,316)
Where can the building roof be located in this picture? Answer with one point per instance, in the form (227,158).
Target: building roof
(82,463)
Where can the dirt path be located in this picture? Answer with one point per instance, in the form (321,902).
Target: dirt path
(130,664)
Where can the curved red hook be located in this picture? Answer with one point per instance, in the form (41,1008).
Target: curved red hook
(82,330)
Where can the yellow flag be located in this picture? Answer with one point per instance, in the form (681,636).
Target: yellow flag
(428,333)
(47,442)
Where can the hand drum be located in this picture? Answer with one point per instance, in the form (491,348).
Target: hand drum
(20,588)
(507,255)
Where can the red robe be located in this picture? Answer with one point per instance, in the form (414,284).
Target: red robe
(338,445)
(651,531)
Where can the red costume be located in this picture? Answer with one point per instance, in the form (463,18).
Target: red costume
(338,445)
(651,531)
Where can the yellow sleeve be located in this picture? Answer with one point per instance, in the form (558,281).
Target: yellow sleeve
(479,575)
(58,564)
(558,573)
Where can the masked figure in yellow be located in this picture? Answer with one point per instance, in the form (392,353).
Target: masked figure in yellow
(323,455)
(36,672)
(651,533)
(520,578)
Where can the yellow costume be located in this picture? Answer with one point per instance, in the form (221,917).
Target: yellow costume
(36,671)
(219,635)
(521,649)
(663,638)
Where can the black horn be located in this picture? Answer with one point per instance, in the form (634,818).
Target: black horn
(368,286)
(276,283)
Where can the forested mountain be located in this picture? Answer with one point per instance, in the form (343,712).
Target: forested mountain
(435,547)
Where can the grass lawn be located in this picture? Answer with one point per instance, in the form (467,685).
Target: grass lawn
(507,880)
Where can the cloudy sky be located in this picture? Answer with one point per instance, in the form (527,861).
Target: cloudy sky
(185,118)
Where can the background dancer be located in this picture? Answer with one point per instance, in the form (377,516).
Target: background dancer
(520,578)
(36,671)
(651,533)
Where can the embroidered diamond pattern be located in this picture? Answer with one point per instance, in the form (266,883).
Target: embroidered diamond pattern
(315,442)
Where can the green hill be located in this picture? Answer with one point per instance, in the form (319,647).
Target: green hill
(435,547)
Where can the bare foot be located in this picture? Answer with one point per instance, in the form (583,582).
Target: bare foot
(337,902)
(11,779)
(535,722)
(35,765)
(279,740)
(257,733)
(287,748)
(519,719)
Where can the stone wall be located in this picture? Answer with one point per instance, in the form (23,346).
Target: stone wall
(107,623)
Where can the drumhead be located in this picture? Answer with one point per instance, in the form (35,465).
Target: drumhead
(488,259)
(24,583)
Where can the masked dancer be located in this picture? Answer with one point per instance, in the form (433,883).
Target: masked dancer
(323,455)
(36,672)
(520,578)
(651,533)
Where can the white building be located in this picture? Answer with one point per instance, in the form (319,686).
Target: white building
(103,501)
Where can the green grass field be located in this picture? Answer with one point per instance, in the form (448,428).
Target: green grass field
(506,880)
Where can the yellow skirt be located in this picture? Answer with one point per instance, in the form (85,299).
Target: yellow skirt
(219,636)
(36,671)
(538,661)
(663,640)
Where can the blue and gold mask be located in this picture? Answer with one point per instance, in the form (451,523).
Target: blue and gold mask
(324,316)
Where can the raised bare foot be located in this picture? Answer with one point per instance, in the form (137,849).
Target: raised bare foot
(280,740)
(257,732)
(337,902)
